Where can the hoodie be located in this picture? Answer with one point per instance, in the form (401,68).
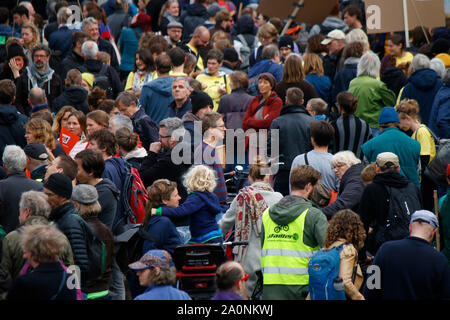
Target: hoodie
(194,16)
(202,207)
(155,98)
(72,96)
(108,197)
(284,212)
(422,86)
(12,129)
(95,66)
(440,113)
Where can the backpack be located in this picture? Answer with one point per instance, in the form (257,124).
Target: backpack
(402,204)
(435,171)
(135,196)
(101,80)
(323,269)
(246,50)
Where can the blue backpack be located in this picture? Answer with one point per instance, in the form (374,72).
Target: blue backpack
(323,270)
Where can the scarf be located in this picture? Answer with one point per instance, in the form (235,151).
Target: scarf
(139,81)
(250,207)
(38,78)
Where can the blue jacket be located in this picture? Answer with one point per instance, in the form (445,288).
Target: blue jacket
(145,127)
(202,207)
(6,30)
(342,79)
(423,86)
(395,141)
(155,98)
(440,113)
(179,113)
(61,40)
(165,233)
(267,66)
(322,84)
(164,292)
(128,46)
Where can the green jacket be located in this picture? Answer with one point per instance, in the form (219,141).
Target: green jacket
(12,255)
(284,212)
(373,95)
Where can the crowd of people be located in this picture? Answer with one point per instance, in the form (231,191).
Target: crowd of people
(351,155)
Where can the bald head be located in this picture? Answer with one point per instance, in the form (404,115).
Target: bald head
(36,96)
(228,277)
(201,37)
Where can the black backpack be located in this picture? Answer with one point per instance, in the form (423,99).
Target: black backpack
(402,204)
(101,80)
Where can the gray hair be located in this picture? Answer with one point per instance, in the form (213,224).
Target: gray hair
(37,96)
(270,51)
(89,49)
(174,127)
(438,65)
(121,121)
(420,61)
(186,82)
(36,201)
(369,65)
(356,35)
(127,98)
(346,157)
(14,158)
(88,21)
(64,14)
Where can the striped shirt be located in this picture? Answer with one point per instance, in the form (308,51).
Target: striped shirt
(351,133)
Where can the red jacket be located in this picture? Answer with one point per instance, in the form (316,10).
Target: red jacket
(271,109)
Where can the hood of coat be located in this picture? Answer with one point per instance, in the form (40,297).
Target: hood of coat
(93,66)
(162,86)
(76,95)
(424,79)
(392,179)
(210,199)
(245,25)
(190,117)
(197,10)
(8,114)
(107,184)
(136,153)
(288,209)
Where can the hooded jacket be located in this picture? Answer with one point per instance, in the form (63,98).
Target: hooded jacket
(269,66)
(423,86)
(164,231)
(155,98)
(440,113)
(284,212)
(72,96)
(202,207)
(194,16)
(108,197)
(95,66)
(12,131)
(343,77)
(61,40)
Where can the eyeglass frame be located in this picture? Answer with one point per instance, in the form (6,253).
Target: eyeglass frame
(244,278)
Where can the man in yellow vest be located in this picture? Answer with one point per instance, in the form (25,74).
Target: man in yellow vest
(293,230)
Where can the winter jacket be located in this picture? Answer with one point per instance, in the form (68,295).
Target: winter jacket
(252,258)
(189,120)
(165,233)
(349,193)
(108,197)
(179,112)
(11,190)
(373,95)
(145,127)
(343,77)
(264,66)
(128,46)
(201,207)
(234,106)
(61,40)
(411,270)
(309,92)
(155,98)
(423,86)
(106,46)
(284,212)
(322,84)
(333,63)
(72,61)
(439,121)
(271,107)
(195,15)
(67,220)
(72,96)
(135,157)
(394,78)
(12,129)
(95,66)
(395,141)
(42,284)
(12,255)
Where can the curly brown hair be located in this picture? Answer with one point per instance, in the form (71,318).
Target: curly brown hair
(347,225)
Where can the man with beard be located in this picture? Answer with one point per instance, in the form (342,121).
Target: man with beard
(38,74)
(224,22)
(198,42)
(294,227)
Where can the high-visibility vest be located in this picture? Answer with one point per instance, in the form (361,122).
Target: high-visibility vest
(284,256)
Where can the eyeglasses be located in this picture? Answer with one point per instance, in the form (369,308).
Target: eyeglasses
(220,127)
(244,278)
(163,137)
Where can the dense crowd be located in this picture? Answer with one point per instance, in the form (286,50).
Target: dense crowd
(128,115)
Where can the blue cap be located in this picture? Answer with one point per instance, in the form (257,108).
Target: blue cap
(388,114)
(153,258)
(425,216)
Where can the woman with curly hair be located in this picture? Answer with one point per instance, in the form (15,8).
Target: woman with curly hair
(61,119)
(30,38)
(39,130)
(346,228)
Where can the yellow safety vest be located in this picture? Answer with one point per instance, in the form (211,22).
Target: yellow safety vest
(284,256)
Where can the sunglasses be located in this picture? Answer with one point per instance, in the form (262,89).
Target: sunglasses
(244,278)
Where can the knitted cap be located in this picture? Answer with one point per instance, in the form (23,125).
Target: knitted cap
(85,194)
(388,114)
(59,184)
(200,100)
(286,41)
(15,50)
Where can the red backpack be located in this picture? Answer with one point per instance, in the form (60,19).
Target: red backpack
(135,196)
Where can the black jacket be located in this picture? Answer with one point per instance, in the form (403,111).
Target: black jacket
(11,190)
(108,196)
(72,61)
(194,16)
(72,96)
(42,284)
(145,127)
(105,46)
(94,66)
(12,129)
(75,232)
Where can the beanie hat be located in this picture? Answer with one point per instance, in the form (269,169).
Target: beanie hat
(286,41)
(85,194)
(88,77)
(440,46)
(269,77)
(445,59)
(388,114)
(60,184)
(199,100)
(15,50)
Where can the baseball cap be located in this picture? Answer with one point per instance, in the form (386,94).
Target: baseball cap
(335,34)
(386,160)
(36,150)
(175,24)
(153,258)
(425,216)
